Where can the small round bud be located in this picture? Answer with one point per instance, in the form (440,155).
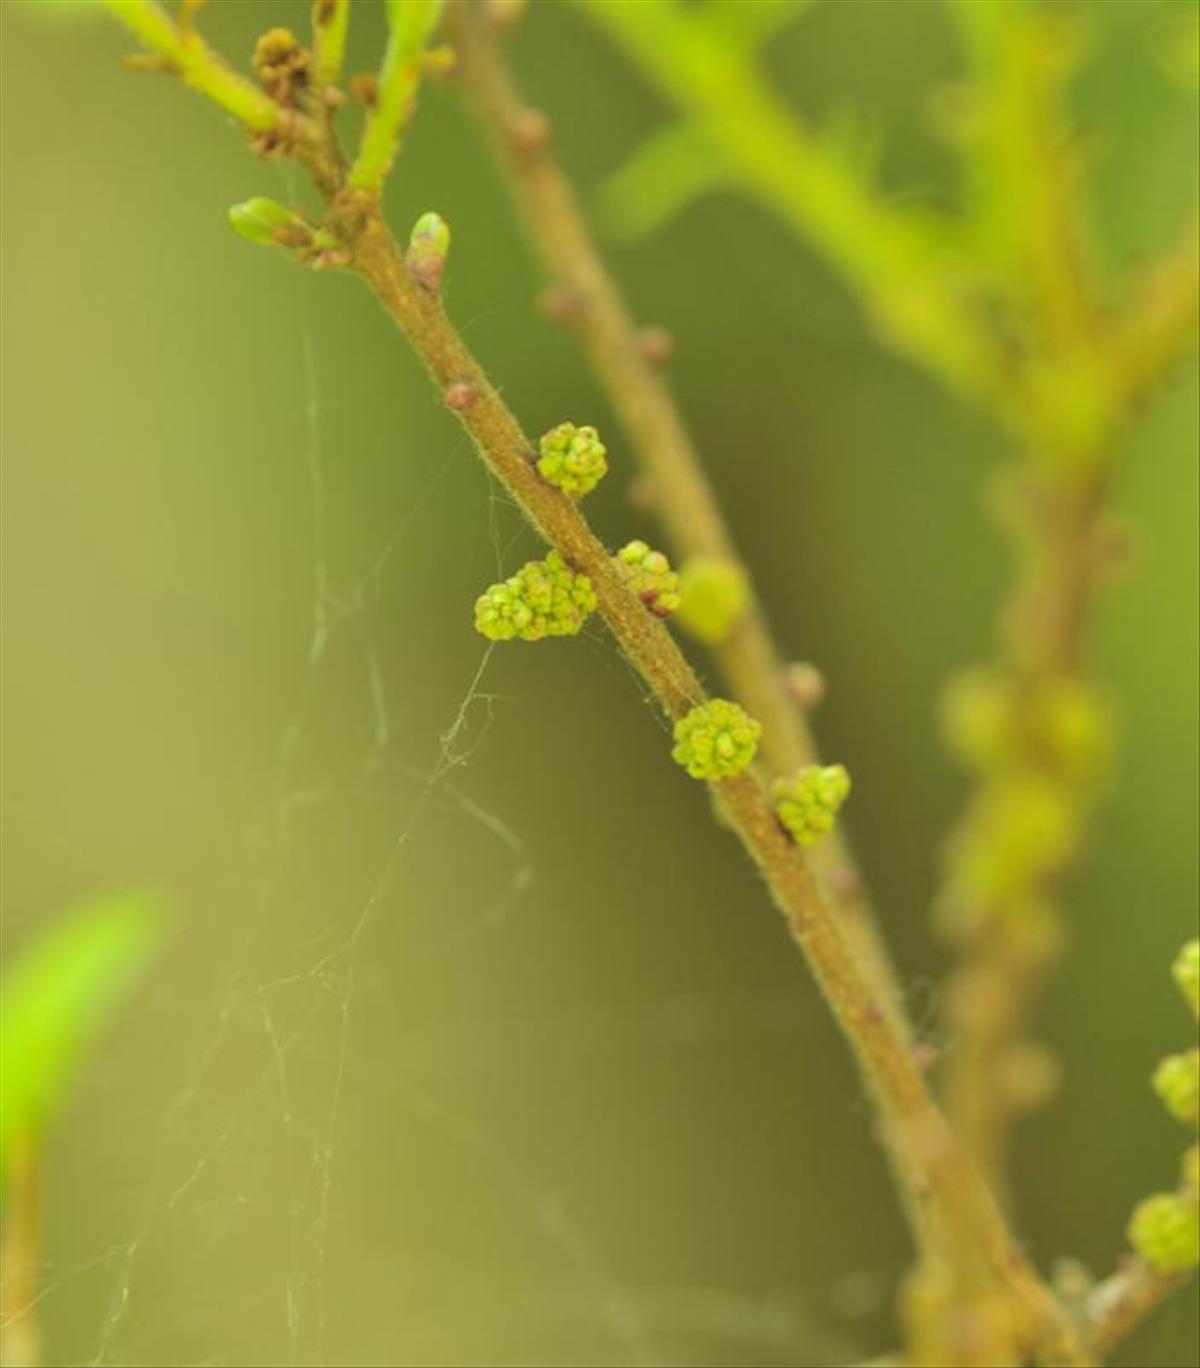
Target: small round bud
(428,245)
(977,719)
(281,63)
(544,598)
(807,803)
(804,683)
(1165,1231)
(503,14)
(439,62)
(1023,828)
(459,395)
(266,222)
(714,594)
(559,304)
(1030,1075)
(1073,1280)
(530,131)
(365,88)
(1186,973)
(649,575)
(1177,1081)
(641,494)
(845,883)
(716,739)
(572,459)
(925,1055)
(656,345)
(1071,723)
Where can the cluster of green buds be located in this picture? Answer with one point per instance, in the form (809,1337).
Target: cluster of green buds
(572,459)
(649,575)
(1022,829)
(713,595)
(1165,1228)
(808,801)
(715,740)
(1062,724)
(271,224)
(543,599)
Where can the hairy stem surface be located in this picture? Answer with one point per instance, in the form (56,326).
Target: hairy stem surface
(555,224)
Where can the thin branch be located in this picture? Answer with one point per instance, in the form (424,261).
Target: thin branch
(1159,323)
(1024,166)
(329,22)
(646,408)
(1123,1300)
(913,1124)
(19,1258)
(187,55)
(1025,209)
(410,22)
(894,257)
(928,1155)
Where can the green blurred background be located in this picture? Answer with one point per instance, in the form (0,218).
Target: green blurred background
(476,1043)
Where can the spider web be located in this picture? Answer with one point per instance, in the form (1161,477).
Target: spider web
(290,1039)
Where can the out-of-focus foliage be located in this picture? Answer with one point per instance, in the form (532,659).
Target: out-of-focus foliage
(57,996)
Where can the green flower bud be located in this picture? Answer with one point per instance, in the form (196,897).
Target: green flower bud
(280,63)
(1177,1082)
(1165,1231)
(428,246)
(1072,724)
(266,222)
(1186,973)
(977,719)
(713,595)
(1023,828)
(544,598)
(649,575)
(716,739)
(573,459)
(807,802)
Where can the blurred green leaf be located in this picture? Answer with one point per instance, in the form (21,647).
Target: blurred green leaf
(57,997)
(674,166)
(753,22)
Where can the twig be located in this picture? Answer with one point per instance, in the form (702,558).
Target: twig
(410,23)
(1123,1300)
(597,313)
(186,55)
(1026,203)
(894,257)
(913,1124)
(20,1342)
(1159,323)
(329,22)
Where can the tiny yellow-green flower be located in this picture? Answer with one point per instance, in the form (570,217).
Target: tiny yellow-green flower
(1177,1082)
(716,739)
(1165,1231)
(572,459)
(649,575)
(713,595)
(544,598)
(807,802)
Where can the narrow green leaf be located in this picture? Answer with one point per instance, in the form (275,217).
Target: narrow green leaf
(56,998)
(675,165)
